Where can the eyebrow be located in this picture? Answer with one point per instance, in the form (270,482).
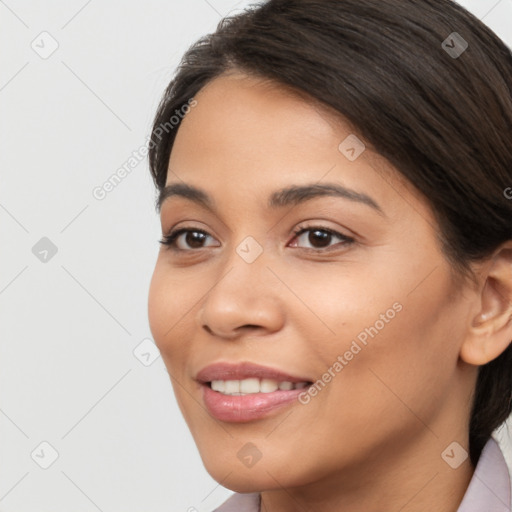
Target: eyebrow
(288,196)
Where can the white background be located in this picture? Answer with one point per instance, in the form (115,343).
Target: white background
(69,326)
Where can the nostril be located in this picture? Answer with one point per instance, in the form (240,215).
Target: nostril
(233,333)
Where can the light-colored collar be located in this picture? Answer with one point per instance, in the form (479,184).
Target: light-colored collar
(489,489)
(241,503)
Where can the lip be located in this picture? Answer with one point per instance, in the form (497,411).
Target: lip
(250,407)
(245,370)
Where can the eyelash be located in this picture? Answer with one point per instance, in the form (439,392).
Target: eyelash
(170,240)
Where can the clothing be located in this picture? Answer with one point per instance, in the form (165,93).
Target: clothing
(241,503)
(503,435)
(488,491)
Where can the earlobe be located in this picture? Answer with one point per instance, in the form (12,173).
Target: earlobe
(490,332)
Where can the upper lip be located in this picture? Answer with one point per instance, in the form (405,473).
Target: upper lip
(244,370)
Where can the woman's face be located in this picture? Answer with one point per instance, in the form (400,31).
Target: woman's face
(361,303)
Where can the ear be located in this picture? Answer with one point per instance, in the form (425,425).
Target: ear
(490,333)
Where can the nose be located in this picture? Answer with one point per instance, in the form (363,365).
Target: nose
(243,299)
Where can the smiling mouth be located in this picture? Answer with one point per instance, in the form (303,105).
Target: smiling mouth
(253,386)
(242,392)
(250,399)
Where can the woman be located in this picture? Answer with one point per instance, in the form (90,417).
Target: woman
(333,295)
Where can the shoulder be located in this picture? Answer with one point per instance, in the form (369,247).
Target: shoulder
(241,503)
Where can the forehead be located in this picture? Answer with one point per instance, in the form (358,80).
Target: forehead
(260,134)
(233,108)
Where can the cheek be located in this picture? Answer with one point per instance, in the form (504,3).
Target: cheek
(397,372)
(169,303)
(396,339)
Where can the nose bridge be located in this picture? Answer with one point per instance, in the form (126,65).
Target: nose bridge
(248,260)
(244,293)
(244,272)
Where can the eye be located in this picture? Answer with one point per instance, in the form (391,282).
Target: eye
(185,239)
(319,237)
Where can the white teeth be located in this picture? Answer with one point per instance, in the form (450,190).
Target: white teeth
(253,385)
(250,386)
(232,387)
(268,386)
(219,385)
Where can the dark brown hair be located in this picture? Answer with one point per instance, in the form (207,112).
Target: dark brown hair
(442,119)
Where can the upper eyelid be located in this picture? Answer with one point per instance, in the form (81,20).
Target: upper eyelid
(296,230)
(165,210)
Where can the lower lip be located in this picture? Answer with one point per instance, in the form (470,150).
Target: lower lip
(244,408)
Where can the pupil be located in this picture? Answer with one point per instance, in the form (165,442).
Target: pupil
(194,239)
(321,236)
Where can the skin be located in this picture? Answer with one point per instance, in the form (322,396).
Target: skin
(372,438)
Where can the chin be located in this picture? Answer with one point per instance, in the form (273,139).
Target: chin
(262,476)
(245,481)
